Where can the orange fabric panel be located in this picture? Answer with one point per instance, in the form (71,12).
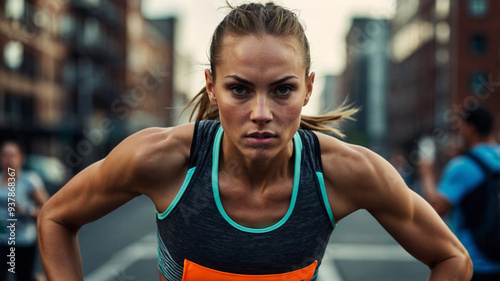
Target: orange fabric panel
(196,272)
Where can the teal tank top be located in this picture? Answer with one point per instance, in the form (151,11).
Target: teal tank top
(196,228)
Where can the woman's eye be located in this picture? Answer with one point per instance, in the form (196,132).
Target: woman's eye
(283,90)
(238,90)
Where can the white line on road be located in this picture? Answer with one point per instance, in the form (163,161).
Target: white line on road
(362,252)
(144,248)
(379,252)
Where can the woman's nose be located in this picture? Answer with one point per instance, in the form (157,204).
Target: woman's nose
(261,111)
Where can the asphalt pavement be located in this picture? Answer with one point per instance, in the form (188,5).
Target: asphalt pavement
(122,247)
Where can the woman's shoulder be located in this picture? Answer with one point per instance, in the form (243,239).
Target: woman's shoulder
(357,177)
(154,151)
(353,167)
(348,159)
(159,139)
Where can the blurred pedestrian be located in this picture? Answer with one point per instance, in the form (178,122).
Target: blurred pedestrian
(249,191)
(461,176)
(25,192)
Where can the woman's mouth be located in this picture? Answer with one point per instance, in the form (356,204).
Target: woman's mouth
(261,138)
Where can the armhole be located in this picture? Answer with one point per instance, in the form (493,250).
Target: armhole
(172,205)
(193,153)
(192,167)
(321,180)
(324,196)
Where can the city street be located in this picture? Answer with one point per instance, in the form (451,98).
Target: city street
(122,247)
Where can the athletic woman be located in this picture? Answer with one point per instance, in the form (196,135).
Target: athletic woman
(249,191)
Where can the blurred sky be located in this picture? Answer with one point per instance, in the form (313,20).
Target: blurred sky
(326,23)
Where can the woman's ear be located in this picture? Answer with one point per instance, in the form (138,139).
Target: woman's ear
(309,87)
(210,86)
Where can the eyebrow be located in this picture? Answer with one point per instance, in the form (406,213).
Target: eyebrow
(244,81)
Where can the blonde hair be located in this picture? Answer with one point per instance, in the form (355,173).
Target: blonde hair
(260,19)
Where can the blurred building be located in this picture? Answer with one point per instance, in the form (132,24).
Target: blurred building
(150,67)
(329,94)
(32,96)
(445,55)
(78,76)
(364,81)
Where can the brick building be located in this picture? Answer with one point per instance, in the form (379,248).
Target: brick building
(70,86)
(444,55)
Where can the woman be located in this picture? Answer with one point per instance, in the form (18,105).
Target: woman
(26,193)
(250,196)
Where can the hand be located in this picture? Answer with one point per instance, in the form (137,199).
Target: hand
(425,167)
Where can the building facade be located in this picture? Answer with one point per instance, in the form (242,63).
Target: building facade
(364,81)
(78,76)
(445,55)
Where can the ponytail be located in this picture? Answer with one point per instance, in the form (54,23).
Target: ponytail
(203,108)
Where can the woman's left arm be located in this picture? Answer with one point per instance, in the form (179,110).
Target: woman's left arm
(413,222)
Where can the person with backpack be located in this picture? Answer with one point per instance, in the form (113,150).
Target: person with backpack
(469,192)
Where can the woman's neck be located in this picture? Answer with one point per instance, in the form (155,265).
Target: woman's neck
(258,174)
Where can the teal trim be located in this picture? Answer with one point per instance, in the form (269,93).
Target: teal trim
(315,274)
(184,185)
(215,185)
(325,198)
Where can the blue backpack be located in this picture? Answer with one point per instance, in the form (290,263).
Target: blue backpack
(481,208)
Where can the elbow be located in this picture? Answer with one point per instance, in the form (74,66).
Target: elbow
(458,266)
(466,264)
(463,264)
(40,222)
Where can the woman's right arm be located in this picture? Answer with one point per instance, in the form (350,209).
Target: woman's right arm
(131,169)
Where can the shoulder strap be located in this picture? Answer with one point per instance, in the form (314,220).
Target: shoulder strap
(204,133)
(478,161)
(312,148)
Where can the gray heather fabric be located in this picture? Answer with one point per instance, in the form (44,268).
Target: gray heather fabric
(195,229)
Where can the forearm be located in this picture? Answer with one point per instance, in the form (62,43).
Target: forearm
(457,268)
(59,251)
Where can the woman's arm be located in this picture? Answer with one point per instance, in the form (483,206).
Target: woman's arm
(133,168)
(364,180)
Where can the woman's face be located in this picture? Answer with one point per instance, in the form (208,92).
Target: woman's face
(11,156)
(260,89)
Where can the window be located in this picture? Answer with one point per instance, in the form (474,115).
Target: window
(478,44)
(478,8)
(17,59)
(14,9)
(13,55)
(478,83)
(19,110)
(68,27)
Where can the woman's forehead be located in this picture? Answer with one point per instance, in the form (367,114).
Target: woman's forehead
(261,52)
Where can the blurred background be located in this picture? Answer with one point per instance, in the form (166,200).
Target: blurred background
(79,76)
